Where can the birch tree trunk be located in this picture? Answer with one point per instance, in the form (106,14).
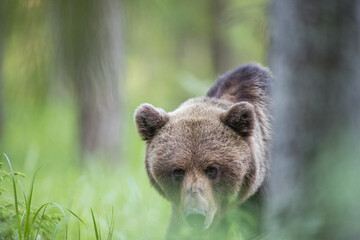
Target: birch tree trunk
(314,190)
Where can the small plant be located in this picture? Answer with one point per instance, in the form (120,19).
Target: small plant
(25,221)
(21,220)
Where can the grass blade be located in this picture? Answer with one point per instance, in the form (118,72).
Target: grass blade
(111,224)
(38,211)
(95,227)
(45,207)
(15,195)
(24,195)
(66,222)
(23,191)
(76,216)
(28,208)
(42,216)
(79,233)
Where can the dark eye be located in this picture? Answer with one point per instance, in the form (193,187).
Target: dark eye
(211,172)
(179,174)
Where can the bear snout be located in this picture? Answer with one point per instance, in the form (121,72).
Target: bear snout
(196,219)
(198,212)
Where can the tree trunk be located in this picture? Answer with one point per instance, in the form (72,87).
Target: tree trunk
(221,54)
(314,185)
(2,35)
(1,88)
(90,36)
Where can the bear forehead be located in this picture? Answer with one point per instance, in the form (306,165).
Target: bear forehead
(197,137)
(197,123)
(200,108)
(197,150)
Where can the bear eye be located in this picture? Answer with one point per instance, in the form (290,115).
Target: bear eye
(179,174)
(211,172)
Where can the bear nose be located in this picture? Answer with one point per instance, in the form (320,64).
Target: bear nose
(196,220)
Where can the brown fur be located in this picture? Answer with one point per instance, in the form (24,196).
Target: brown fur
(226,132)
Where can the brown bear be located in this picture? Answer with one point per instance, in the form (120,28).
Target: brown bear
(212,150)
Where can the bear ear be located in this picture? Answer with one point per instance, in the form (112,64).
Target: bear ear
(249,83)
(240,117)
(149,120)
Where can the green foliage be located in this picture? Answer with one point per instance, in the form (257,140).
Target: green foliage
(19,219)
(168,59)
(48,223)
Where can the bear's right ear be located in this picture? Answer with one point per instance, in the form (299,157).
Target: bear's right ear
(149,120)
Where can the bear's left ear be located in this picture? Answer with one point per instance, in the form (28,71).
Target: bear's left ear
(149,120)
(240,117)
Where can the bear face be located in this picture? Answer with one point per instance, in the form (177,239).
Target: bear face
(211,150)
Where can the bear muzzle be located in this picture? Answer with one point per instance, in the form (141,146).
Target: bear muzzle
(198,212)
(195,218)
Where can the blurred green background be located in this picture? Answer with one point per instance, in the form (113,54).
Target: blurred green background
(166,52)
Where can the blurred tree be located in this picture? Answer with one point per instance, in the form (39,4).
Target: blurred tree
(224,17)
(90,53)
(4,18)
(1,58)
(314,186)
(220,51)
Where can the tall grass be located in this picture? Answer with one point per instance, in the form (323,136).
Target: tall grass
(137,205)
(45,222)
(17,214)
(111,225)
(124,204)
(26,222)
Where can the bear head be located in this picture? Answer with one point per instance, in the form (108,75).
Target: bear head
(211,150)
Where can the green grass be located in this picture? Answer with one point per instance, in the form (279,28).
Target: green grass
(65,199)
(105,204)
(23,222)
(120,197)
(98,203)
